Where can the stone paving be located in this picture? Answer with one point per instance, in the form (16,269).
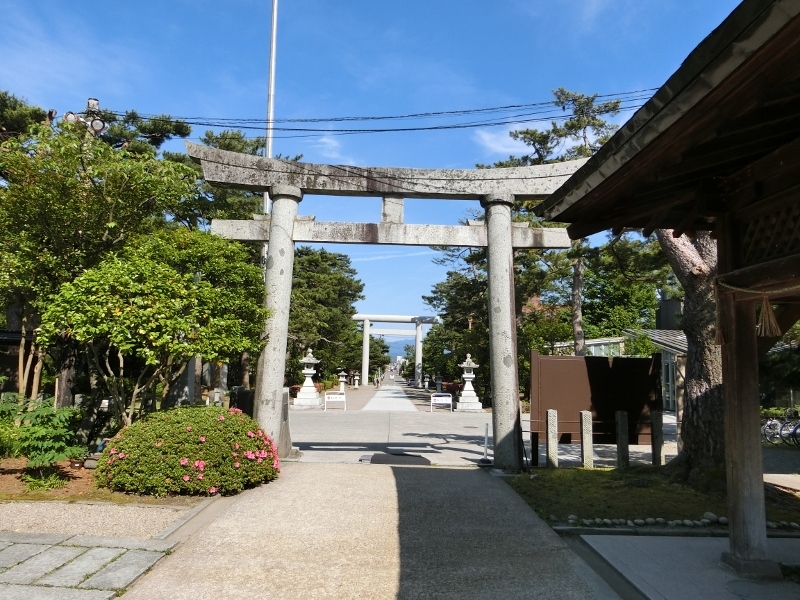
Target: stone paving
(36,566)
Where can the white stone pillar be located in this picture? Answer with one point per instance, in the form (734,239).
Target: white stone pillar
(365,348)
(268,402)
(418,356)
(503,335)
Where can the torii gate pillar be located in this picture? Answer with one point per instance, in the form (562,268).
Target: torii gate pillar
(269,408)
(418,355)
(503,334)
(365,352)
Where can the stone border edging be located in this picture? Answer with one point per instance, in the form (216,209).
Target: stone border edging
(190,514)
(659,531)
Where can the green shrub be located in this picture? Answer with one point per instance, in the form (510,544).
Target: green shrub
(46,435)
(9,438)
(776,413)
(9,441)
(194,450)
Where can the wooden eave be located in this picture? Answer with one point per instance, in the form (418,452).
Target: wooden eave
(686,158)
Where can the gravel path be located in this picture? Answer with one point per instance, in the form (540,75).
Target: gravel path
(73,518)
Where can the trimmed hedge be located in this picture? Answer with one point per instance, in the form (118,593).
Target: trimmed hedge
(194,451)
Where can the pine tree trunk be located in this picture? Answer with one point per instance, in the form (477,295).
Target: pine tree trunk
(577,305)
(694,263)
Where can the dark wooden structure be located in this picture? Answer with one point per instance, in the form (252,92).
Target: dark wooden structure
(602,385)
(718,148)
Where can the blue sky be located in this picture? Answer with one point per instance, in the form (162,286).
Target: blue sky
(335,58)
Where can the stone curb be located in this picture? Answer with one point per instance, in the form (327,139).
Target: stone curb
(95,541)
(660,531)
(190,514)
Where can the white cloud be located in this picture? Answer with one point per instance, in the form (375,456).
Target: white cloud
(331,148)
(497,141)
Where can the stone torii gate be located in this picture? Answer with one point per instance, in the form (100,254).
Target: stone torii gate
(367,320)
(287,182)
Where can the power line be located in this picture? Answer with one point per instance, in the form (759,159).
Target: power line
(629,100)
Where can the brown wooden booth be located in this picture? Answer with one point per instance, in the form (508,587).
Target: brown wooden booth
(602,385)
(718,148)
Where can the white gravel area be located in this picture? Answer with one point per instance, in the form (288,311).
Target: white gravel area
(111,520)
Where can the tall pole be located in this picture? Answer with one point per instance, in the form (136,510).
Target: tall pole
(271,93)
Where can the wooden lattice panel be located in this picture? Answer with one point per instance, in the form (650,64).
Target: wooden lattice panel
(771,235)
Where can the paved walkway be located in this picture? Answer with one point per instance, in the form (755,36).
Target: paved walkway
(49,566)
(379,532)
(363,515)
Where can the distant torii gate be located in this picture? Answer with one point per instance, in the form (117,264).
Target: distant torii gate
(367,320)
(288,181)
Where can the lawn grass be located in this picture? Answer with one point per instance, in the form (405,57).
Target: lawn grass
(639,492)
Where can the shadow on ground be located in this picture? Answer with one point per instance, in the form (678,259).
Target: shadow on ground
(465,534)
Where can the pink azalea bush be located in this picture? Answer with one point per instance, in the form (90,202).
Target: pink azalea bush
(194,450)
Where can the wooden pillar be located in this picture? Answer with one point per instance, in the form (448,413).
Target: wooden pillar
(746,511)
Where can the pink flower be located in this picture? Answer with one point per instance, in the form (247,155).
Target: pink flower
(118,436)
(260,433)
(186,478)
(158,444)
(188,429)
(122,455)
(236,465)
(202,438)
(260,460)
(235,454)
(212,491)
(112,451)
(200,464)
(236,446)
(221,418)
(184,461)
(251,434)
(199,475)
(235,411)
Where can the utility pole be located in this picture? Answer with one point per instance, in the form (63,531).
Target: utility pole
(271,93)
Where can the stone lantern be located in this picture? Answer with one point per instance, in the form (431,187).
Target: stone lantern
(342,380)
(468,401)
(356,379)
(308,397)
(427,381)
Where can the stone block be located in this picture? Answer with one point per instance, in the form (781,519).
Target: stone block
(74,573)
(587,448)
(552,438)
(40,565)
(19,537)
(26,592)
(20,552)
(123,571)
